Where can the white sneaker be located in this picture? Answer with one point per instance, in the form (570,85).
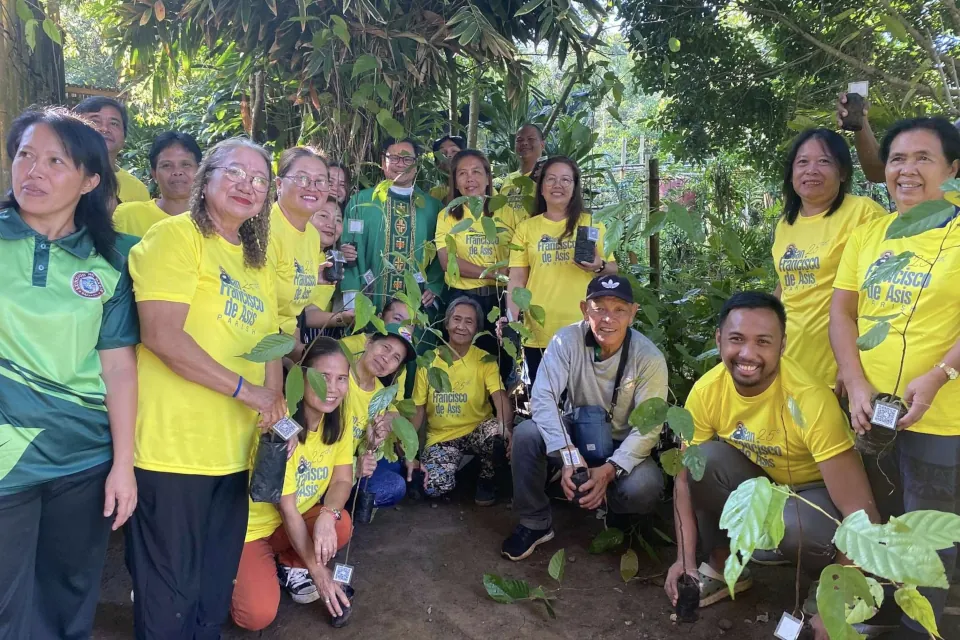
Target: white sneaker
(298,584)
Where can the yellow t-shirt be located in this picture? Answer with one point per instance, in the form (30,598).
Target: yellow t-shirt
(308,473)
(355,408)
(184,427)
(557,284)
(323,296)
(136,217)
(356,345)
(762,427)
(518,197)
(295,255)
(806,255)
(935,327)
(129,188)
(455,414)
(474,247)
(440,191)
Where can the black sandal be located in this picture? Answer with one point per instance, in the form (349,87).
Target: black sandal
(338,622)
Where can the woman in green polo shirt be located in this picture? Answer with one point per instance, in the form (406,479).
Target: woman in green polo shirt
(68,377)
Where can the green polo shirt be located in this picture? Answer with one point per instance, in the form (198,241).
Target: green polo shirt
(60,302)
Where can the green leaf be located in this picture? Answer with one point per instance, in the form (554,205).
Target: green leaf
(695,461)
(406,407)
(656,223)
(894,27)
(425,359)
(30,33)
(23,11)
(364,311)
(795,412)
(407,434)
(915,605)
(674,45)
(652,314)
(843,15)
(494,315)
(557,564)
(340,29)
(606,540)
(317,382)
(732,569)
(364,63)
(887,269)
(446,354)
(521,297)
(923,217)
(439,379)
(453,267)
(680,422)
(381,401)
(505,590)
(686,221)
(489,229)
(272,347)
(293,388)
(412,288)
(497,202)
(880,550)
(538,314)
(753,515)
(874,336)
(840,587)
(863,610)
(50,28)
(527,8)
(461,226)
(511,349)
(648,415)
(629,565)
(390,125)
(672,461)
(953,184)
(936,529)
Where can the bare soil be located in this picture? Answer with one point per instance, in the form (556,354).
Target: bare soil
(419,571)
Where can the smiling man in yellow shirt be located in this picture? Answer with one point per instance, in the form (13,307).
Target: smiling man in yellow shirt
(746,429)
(110,118)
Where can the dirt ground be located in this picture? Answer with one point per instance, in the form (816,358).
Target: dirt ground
(419,570)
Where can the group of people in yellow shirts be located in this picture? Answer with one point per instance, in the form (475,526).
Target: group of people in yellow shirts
(149,413)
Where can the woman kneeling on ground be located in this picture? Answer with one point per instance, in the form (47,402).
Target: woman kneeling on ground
(316,486)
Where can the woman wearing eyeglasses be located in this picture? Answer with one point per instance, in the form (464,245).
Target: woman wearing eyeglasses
(544,262)
(295,245)
(205,295)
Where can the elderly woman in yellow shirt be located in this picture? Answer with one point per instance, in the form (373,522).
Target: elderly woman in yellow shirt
(819,214)
(919,299)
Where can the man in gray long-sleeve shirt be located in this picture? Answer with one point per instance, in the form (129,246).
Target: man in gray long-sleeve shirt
(582,360)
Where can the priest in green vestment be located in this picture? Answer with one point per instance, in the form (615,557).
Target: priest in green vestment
(387,232)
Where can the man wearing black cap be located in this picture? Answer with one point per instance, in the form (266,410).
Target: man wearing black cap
(593,374)
(444,148)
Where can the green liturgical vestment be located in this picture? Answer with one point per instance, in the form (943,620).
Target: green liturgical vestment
(386,233)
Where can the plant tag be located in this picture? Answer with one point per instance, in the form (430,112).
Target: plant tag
(419,278)
(571,458)
(349,300)
(343,573)
(355,226)
(368,277)
(859,88)
(593,234)
(885,414)
(286,428)
(788,628)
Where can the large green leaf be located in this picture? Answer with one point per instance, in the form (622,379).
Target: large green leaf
(923,217)
(606,540)
(364,63)
(527,8)
(317,382)
(439,380)
(840,587)
(453,267)
(340,29)
(863,610)
(557,564)
(381,401)
(406,407)
(732,568)
(658,220)
(887,269)
(364,312)
(747,515)
(935,529)
(874,336)
(272,347)
(915,605)
(695,461)
(293,388)
(489,229)
(407,435)
(680,422)
(629,565)
(687,221)
(672,461)
(889,554)
(522,297)
(538,314)
(953,184)
(648,415)
(505,590)
(390,125)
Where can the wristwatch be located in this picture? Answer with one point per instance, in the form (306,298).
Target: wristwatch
(618,471)
(334,512)
(952,373)
(603,265)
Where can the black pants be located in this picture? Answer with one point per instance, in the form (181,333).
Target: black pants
(53,541)
(183,548)
(532,357)
(488,343)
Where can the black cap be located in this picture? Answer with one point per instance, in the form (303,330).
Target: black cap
(406,336)
(615,285)
(457,140)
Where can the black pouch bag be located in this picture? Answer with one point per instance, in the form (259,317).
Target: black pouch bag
(266,482)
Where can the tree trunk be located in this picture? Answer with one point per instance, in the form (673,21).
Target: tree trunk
(474,112)
(454,127)
(26,78)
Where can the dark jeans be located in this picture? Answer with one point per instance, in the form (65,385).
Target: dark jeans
(54,541)
(920,473)
(636,493)
(183,548)
(808,536)
(488,343)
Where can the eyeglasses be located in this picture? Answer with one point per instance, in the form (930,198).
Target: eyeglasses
(236,174)
(404,160)
(302,181)
(564,182)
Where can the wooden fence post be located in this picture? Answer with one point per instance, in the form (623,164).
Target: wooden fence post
(653,184)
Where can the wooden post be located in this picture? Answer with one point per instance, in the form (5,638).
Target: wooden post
(653,184)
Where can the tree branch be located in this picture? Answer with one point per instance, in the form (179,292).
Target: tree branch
(954,12)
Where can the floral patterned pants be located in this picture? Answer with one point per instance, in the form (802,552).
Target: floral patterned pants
(442,459)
